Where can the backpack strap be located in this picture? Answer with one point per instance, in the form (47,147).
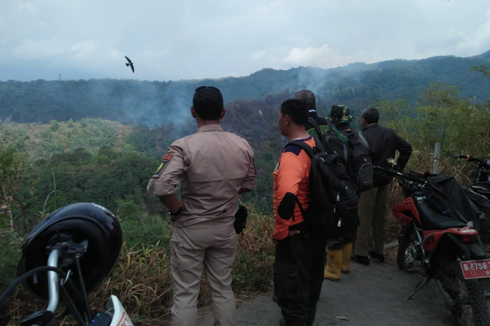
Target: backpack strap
(301,144)
(363,141)
(327,159)
(330,127)
(320,133)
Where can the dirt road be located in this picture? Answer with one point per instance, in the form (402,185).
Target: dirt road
(369,295)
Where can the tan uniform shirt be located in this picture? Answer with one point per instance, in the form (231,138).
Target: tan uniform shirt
(212,167)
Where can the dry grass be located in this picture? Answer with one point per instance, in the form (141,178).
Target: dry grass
(143,284)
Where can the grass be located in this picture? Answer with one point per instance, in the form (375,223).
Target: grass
(143,284)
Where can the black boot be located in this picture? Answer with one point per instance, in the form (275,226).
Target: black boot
(379,257)
(362,260)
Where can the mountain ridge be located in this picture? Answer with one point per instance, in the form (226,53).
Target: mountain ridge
(154,103)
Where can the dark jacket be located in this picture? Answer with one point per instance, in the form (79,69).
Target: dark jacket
(383,143)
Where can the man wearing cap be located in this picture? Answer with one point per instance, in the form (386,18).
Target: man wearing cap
(211,167)
(373,204)
(335,246)
(340,249)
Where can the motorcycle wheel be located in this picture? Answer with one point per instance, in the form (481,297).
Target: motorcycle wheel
(470,306)
(405,255)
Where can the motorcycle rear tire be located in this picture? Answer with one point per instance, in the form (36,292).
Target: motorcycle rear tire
(478,313)
(405,241)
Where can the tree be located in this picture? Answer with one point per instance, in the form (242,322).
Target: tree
(485,70)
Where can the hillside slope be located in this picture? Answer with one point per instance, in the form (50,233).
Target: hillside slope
(156,103)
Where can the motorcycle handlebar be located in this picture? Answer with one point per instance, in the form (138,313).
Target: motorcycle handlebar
(469,158)
(391,172)
(400,175)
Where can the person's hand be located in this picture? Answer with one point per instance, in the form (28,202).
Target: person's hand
(294,232)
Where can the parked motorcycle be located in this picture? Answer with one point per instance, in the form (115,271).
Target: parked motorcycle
(479,191)
(439,241)
(70,254)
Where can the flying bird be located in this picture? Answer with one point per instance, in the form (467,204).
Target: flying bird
(130,63)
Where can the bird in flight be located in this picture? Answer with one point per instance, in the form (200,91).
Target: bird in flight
(130,63)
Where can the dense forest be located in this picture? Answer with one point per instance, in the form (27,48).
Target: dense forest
(155,103)
(101,140)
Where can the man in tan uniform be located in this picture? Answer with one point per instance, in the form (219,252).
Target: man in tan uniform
(212,167)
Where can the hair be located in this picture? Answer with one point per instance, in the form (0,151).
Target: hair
(371,115)
(296,110)
(208,102)
(307,97)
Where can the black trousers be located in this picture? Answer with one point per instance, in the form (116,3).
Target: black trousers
(298,276)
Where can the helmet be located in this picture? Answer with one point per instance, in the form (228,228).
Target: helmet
(74,222)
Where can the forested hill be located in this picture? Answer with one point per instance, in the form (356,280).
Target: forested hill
(154,103)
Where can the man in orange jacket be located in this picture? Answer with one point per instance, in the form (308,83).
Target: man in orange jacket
(298,265)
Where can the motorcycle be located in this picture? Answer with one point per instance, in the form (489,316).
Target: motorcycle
(70,254)
(479,190)
(439,242)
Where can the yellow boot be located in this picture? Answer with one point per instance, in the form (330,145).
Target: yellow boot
(334,261)
(346,257)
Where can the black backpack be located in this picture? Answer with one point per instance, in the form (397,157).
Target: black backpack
(359,163)
(331,143)
(333,200)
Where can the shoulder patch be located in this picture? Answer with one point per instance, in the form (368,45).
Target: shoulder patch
(293,149)
(163,163)
(167,157)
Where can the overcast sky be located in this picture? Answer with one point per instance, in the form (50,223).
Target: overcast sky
(183,39)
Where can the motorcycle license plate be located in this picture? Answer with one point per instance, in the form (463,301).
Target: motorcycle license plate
(475,268)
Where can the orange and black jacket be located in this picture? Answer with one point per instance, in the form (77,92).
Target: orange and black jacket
(291,181)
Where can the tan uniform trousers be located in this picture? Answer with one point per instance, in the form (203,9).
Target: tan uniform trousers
(211,244)
(373,207)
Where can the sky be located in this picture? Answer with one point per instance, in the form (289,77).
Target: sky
(175,40)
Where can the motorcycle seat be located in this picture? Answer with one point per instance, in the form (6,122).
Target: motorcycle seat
(433,220)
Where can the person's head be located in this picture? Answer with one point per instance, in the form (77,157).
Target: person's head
(340,113)
(208,103)
(307,97)
(369,116)
(293,116)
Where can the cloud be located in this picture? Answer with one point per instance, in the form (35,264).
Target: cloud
(83,49)
(218,38)
(30,49)
(322,57)
(40,49)
(258,54)
(461,42)
(29,7)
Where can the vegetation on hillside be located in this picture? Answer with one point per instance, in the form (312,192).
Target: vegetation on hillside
(44,166)
(165,104)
